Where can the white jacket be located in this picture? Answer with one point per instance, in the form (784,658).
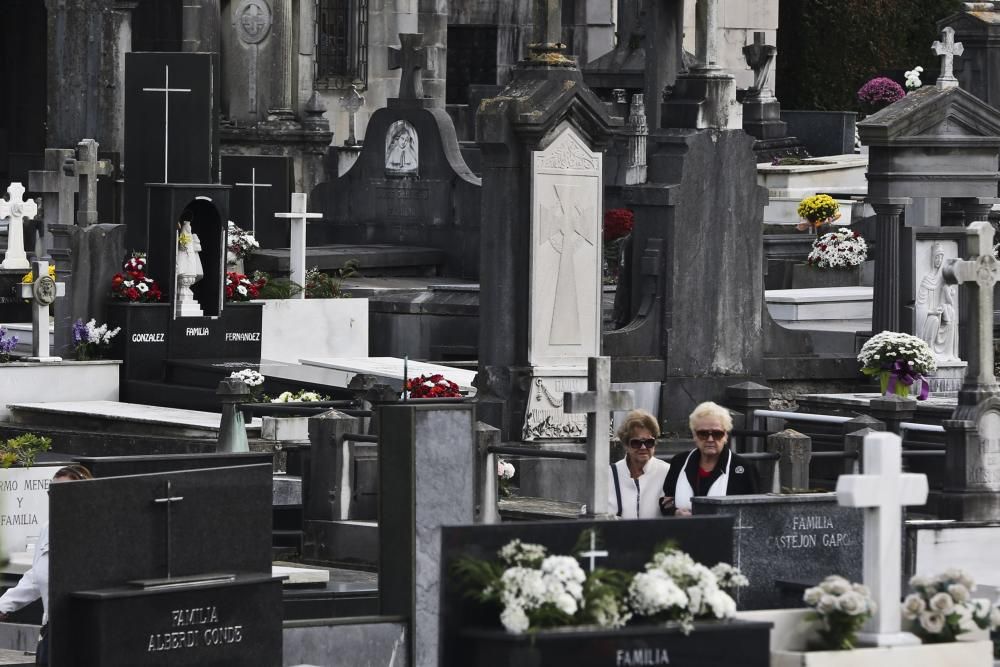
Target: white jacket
(34,583)
(640,497)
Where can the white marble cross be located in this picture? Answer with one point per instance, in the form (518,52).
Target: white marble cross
(15,208)
(979,275)
(42,292)
(594,553)
(948,50)
(166,90)
(882,491)
(598,402)
(253,185)
(298,217)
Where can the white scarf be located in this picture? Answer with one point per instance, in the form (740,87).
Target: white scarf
(684,492)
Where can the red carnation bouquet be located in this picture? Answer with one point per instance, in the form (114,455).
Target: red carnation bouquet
(432,386)
(133,285)
(618,223)
(241,288)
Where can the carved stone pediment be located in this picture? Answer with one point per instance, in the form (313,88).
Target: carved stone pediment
(932,116)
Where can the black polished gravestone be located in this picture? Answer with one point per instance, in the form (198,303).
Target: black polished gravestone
(118,466)
(786,543)
(261,188)
(171,128)
(164,569)
(470,632)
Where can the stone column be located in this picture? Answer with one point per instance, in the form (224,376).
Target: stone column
(795,452)
(977,208)
(78,70)
(892,410)
(592,32)
(746,397)
(432,21)
(886,301)
(282,74)
(118,42)
(664,46)
(707,38)
(202,25)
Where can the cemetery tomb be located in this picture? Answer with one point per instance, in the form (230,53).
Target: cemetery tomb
(261,186)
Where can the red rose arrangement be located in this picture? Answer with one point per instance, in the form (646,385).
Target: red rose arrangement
(133,285)
(432,386)
(618,222)
(241,288)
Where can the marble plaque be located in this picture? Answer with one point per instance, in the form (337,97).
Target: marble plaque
(24,505)
(565,273)
(544,417)
(402,149)
(984,473)
(935,307)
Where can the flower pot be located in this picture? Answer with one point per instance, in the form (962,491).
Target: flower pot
(805,276)
(711,643)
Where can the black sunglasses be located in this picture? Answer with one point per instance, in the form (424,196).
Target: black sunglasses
(705,433)
(636,443)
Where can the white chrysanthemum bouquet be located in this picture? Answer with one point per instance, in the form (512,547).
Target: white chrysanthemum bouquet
(942,607)
(899,360)
(841,249)
(536,590)
(841,608)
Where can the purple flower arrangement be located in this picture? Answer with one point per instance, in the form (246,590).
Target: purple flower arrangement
(879,93)
(7,345)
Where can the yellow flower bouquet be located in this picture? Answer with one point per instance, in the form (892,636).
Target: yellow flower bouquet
(817,211)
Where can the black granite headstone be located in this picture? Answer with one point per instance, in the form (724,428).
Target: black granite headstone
(118,466)
(630,544)
(261,188)
(121,548)
(785,543)
(171,128)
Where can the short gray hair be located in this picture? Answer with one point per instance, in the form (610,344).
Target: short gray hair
(711,409)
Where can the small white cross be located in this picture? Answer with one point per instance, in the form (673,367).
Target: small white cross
(16,208)
(948,50)
(594,553)
(253,185)
(166,90)
(297,244)
(883,491)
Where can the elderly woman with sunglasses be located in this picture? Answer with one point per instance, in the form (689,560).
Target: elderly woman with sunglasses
(637,480)
(711,469)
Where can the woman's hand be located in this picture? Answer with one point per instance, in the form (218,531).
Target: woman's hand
(667,503)
(682,512)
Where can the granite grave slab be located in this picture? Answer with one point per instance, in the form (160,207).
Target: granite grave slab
(184,576)
(784,543)
(261,187)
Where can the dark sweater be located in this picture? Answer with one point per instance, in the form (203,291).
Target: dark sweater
(742,476)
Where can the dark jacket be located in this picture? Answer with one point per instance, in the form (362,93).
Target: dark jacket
(742,476)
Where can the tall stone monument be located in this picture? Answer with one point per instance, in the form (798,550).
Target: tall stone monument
(542,139)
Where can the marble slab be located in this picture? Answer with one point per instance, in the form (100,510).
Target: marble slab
(940,546)
(296,574)
(826,303)
(133,412)
(296,328)
(342,369)
(69,381)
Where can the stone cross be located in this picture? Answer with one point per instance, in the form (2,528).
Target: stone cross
(57,189)
(947,50)
(410,58)
(87,168)
(563,225)
(166,90)
(978,274)
(298,217)
(882,492)
(16,209)
(350,103)
(759,57)
(253,185)
(42,292)
(169,501)
(707,34)
(593,553)
(599,401)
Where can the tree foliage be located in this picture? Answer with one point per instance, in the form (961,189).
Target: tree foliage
(828,49)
